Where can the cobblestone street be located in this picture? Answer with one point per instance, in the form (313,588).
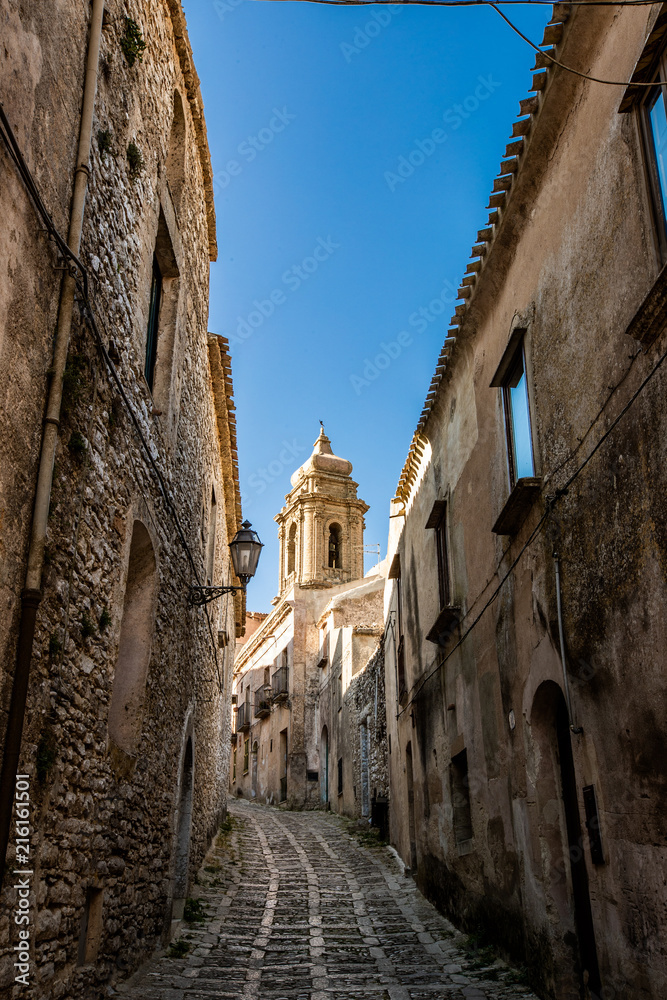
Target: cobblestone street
(298,908)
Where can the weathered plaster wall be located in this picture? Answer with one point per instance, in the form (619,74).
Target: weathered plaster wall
(572,260)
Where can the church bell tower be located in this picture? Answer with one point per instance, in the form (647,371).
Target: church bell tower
(321,526)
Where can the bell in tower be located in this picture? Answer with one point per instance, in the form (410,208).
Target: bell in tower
(321,526)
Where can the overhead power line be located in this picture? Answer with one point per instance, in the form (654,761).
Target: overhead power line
(526,3)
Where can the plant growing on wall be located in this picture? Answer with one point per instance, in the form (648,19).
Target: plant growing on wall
(77,444)
(105,620)
(135,159)
(104,142)
(46,754)
(55,646)
(88,626)
(132,43)
(74,380)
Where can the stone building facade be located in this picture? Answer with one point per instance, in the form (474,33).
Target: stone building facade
(125,738)
(527,584)
(309,719)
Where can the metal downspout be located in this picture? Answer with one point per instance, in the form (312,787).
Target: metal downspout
(32,593)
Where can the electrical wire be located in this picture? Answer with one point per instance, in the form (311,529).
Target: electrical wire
(488,3)
(551,503)
(569,69)
(81,279)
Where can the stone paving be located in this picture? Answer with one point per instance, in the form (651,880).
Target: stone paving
(298,908)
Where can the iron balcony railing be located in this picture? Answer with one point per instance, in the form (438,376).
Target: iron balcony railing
(243,718)
(262,703)
(279,683)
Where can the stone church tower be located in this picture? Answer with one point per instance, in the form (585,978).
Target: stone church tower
(321,526)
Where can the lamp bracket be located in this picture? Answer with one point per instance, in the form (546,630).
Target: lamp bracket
(198,597)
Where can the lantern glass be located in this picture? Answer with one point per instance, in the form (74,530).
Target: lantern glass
(245,549)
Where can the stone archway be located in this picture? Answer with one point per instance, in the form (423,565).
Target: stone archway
(409,774)
(562,860)
(324,766)
(183,829)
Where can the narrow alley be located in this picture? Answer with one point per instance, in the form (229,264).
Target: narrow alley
(298,908)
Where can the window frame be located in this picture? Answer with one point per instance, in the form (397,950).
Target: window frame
(518,354)
(657,197)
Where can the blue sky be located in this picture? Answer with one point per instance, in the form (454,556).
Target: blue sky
(354,149)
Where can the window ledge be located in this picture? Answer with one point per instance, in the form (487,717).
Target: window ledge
(444,625)
(519,502)
(465,847)
(651,318)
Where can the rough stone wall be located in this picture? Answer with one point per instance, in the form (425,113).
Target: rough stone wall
(363,708)
(103,818)
(571,259)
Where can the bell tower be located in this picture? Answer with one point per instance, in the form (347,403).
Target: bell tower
(321,526)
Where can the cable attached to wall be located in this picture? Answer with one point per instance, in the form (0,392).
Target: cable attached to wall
(80,276)
(551,500)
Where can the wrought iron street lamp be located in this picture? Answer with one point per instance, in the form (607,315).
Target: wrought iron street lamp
(245,549)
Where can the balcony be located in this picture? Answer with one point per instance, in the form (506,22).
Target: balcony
(235,737)
(243,718)
(262,703)
(280,684)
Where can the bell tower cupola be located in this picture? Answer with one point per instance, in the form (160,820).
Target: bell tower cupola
(321,526)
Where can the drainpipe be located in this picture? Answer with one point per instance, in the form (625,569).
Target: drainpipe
(566,683)
(32,592)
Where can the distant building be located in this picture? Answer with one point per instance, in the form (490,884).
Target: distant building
(309,682)
(124,731)
(525,605)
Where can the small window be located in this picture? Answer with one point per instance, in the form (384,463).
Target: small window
(653,115)
(438,521)
(517,419)
(153,320)
(335,533)
(460,788)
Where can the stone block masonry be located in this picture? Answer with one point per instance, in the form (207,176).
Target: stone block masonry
(126,740)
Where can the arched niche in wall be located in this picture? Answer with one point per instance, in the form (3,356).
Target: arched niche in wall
(183,830)
(176,154)
(134,648)
(291,549)
(335,546)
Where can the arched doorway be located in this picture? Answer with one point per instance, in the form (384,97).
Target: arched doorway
(134,645)
(184,822)
(324,766)
(365,771)
(562,859)
(255,754)
(411,807)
